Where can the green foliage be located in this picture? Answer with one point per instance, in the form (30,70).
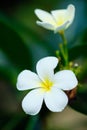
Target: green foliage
(22,45)
(80,102)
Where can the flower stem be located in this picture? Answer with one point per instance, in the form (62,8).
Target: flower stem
(64,48)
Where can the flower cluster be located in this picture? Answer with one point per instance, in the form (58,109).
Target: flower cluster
(47,86)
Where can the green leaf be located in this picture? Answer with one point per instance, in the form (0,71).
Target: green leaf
(80,102)
(32,122)
(10,122)
(78,51)
(7,69)
(13,45)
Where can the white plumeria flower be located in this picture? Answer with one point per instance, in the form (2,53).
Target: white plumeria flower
(58,19)
(46,86)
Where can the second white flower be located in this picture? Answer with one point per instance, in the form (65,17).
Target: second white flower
(58,19)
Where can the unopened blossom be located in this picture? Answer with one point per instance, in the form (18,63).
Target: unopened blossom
(46,86)
(57,20)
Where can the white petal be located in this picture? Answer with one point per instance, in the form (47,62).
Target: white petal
(45,25)
(70,13)
(44,16)
(61,27)
(45,67)
(64,15)
(60,15)
(32,102)
(65,80)
(56,100)
(27,80)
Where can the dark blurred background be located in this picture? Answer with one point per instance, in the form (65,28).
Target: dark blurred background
(22,44)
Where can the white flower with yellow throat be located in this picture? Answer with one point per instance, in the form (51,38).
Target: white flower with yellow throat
(57,20)
(46,86)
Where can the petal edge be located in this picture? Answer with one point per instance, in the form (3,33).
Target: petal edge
(32,102)
(45,67)
(65,79)
(27,80)
(56,100)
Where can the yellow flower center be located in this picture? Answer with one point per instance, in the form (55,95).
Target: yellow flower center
(46,85)
(60,21)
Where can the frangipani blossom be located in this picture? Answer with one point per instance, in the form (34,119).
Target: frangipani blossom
(46,86)
(57,20)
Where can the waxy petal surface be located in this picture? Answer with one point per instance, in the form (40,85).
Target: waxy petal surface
(32,102)
(27,80)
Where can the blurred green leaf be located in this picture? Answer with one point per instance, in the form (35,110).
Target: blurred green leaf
(7,70)
(78,51)
(11,124)
(80,103)
(28,45)
(32,123)
(13,46)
